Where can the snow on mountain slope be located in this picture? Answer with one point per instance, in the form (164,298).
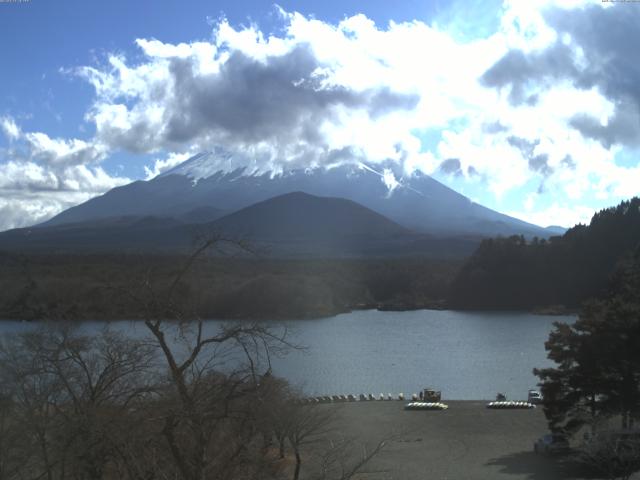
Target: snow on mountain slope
(417,202)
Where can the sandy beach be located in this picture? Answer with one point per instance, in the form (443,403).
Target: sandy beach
(467,441)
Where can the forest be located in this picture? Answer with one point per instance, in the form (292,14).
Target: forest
(76,287)
(549,275)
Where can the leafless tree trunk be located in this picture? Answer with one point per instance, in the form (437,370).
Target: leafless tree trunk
(207,400)
(305,424)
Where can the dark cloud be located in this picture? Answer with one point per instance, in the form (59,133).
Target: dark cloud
(569,162)
(541,188)
(540,163)
(525,146)
(522,72)
(495,127)
(383,100)
(451,166)
(532,100)
(608,39)
(281,101)
(623,128)
(537,163)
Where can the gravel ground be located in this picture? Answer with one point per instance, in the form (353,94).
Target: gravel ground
(467,441)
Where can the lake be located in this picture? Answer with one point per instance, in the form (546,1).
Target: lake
(467,355)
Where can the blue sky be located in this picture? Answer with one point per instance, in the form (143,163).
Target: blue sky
(526,107)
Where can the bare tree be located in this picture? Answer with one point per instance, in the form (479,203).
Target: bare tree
(10,438)
(71,395)
(213,375)
(306,424)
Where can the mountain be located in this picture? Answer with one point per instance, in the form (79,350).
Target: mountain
(299,216)
(417,202)
(201,214)
(556,230)
(132,233)
(293,224)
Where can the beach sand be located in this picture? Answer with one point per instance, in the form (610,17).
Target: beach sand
(467,441)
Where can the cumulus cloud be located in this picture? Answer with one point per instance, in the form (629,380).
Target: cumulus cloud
(595,48)
(292,100)
(271,99)
(27,208)
(40,176)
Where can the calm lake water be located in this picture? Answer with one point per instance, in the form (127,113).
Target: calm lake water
(467,355)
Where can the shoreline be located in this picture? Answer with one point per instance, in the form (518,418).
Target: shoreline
(437,306)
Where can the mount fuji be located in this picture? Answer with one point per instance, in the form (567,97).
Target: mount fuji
(417,202)
(198,193)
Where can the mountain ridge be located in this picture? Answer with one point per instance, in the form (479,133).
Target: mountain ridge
(418,202)
(293,224)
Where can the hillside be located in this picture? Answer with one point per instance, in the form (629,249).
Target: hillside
(299,216)
(290,225)
(513,273)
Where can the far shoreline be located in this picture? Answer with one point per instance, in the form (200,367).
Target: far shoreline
(542,312)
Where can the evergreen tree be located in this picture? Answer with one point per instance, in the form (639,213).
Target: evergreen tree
(597,373)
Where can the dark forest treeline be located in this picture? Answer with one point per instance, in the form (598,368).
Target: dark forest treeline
(512,273)
(95,286)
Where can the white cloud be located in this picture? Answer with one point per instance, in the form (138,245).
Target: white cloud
(10,128)
(27,208)
(556,215)
(31,192)
(40,176)
(162,165)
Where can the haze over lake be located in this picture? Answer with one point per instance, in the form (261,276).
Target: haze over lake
(467,355)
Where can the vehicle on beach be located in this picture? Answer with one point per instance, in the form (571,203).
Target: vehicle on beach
(431,395)
(552,444)
(534,396)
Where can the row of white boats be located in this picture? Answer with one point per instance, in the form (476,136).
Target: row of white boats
(443,406)
(413,405)
(352,398)
(426,406)
(510,404)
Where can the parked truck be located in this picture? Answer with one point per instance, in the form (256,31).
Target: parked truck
(431,395)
